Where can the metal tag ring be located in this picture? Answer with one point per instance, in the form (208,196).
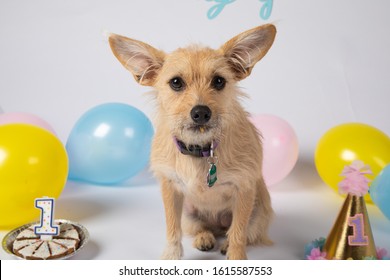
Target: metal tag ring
(212,160)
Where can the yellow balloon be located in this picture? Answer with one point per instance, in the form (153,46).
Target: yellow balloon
(33,164)
(345,143)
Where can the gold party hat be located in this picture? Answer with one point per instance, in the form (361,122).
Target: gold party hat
(351,236)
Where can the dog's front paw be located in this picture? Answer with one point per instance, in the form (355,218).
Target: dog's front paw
(172,252)
(224,248)
(204,241)
(237,254)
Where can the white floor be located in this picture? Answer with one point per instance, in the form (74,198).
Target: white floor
(127,222)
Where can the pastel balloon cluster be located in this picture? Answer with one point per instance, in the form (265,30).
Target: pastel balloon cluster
(343,144)
(280,147)
(109,144)
(33,163)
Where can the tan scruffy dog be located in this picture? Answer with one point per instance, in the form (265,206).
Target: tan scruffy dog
(206,153)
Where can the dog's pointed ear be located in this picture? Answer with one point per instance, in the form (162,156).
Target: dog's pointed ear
(246,49)
(141,59)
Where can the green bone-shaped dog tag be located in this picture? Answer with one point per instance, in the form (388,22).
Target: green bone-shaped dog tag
(212,175)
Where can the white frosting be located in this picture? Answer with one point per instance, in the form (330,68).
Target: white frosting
(27,233)
(18,244)
(29,250)
(68,243)
(73,234)
(56,249)
(42,252)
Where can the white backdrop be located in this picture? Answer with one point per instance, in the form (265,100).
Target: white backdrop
(330,64)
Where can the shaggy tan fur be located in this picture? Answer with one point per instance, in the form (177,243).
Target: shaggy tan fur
(238,205)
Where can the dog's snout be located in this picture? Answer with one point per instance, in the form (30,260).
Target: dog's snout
(201,114)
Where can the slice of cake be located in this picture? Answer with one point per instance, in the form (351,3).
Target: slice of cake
(42,253)
(27,252)
(29,246)
(28,233)
(20,244)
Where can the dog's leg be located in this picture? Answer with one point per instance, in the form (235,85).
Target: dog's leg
(204,239)
(261,217)
(237,233)
(259,221)
(173,204)
(224,247)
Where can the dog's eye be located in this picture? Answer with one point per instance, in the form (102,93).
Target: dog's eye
(177,84)
(218,83)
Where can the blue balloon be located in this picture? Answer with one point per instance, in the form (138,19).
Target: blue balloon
(109,144)
(380,191)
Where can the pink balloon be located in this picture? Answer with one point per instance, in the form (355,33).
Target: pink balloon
(280,146)
(25,118)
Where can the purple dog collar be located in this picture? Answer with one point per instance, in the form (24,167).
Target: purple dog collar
(194,150)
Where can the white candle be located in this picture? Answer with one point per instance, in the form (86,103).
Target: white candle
(46,229)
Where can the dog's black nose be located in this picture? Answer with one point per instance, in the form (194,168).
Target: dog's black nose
(201,114)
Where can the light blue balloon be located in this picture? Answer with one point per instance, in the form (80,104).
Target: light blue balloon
(380,191)
(110,143)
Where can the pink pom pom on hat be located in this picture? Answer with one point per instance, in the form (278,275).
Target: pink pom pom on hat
(355,182)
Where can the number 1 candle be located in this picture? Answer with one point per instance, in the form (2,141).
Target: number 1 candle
(46,229)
